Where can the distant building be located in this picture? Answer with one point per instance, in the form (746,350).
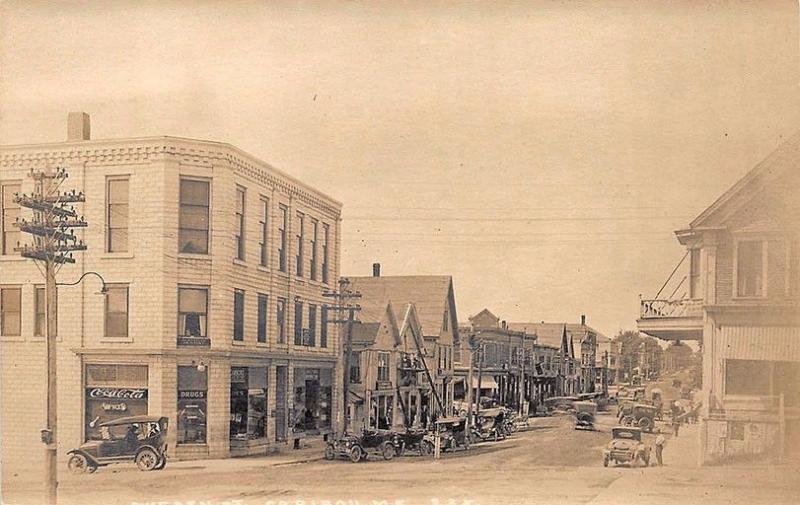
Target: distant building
(435,307)
(742,304)
(677,356)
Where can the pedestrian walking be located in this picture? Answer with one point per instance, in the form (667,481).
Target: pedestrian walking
(660,441)
(676,424)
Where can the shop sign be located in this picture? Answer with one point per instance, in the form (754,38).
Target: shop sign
(191,395)
(255,391)
(194,342)
(238,375)
(312,373)
(115,407)
(383,385)
(118,393)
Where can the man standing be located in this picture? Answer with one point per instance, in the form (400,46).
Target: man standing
(660,441)
(676,424)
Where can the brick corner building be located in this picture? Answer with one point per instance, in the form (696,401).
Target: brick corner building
(215,264)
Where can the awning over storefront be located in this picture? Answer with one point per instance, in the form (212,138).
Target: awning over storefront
(487,382)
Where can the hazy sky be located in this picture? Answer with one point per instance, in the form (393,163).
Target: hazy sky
(541,153)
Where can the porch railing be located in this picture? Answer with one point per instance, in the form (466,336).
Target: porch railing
(656,309)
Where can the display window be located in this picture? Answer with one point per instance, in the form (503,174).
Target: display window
(192,405)
(248,414)
(312,399)
(113,392)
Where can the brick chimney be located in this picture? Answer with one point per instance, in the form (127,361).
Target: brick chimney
(583,319)
(78,127)
(376,269)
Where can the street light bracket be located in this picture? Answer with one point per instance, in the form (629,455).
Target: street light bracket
(103,289)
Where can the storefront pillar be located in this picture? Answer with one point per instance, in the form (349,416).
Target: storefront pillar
(219,401)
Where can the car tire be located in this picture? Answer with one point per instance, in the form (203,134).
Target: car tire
(330,453)
(147,460)
(387,451)
(92,468)
(426,447)
(645,423)
(78,464)
(356,453)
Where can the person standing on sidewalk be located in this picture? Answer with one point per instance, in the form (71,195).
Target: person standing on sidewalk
(660,441)
(676,424)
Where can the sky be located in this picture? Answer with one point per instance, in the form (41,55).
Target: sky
(541,153)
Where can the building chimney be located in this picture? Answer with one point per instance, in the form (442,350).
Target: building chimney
(376,269)
(78,127)
(504,326)
(583,319)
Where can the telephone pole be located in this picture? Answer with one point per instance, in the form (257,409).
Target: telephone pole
(343,297)
(53,244)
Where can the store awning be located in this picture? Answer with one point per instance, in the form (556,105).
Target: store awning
(487,382)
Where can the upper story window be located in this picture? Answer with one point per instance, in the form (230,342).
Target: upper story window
(193,220)
(238,315)
(283,224)
(694,273)
(323,327)
(298,323)
(325,259)
(311,338)
(301,232)
(116,317)
(240,223)
(280,318)
(750,268)
(383,366)
(355,367)
(314,258)
(10,312)
(262,318)
(264,242)
(192,312)
(9,210)
(117,214)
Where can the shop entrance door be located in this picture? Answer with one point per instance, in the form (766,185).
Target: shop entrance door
(281,381)
(312,404)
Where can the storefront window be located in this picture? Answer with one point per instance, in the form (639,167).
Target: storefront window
(112,392)
(248,403)
(192,405)
(312,399)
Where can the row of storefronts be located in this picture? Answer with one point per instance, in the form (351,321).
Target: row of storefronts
(259,413)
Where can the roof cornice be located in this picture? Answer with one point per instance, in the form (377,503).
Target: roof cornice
(143,150)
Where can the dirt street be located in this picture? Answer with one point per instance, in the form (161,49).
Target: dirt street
(549,464)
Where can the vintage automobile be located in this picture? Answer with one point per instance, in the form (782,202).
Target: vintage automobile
(359,447)
(138,439)
(638,414)
(584,415)
(489,425)
(410,440)
(560,403)
(452,432)
(626,447)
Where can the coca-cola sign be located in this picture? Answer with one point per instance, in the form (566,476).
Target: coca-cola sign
(118,393)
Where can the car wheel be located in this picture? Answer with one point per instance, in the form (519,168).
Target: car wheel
(77,463)
(387,451)
(627,421)
(426,448)
(645,424)
(146,460)
(91,468)
(356,453)
(330,453)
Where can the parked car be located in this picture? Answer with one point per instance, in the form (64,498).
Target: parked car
(359,447)
(641,415)
(138,439)
(410,440)
(626,447)
(452,432)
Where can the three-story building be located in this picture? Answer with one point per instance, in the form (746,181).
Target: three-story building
(214,263)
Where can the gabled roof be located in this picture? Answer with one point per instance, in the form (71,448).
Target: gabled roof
(785,157)
(367,331)
(430,294)
(549,334)
(485,313)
